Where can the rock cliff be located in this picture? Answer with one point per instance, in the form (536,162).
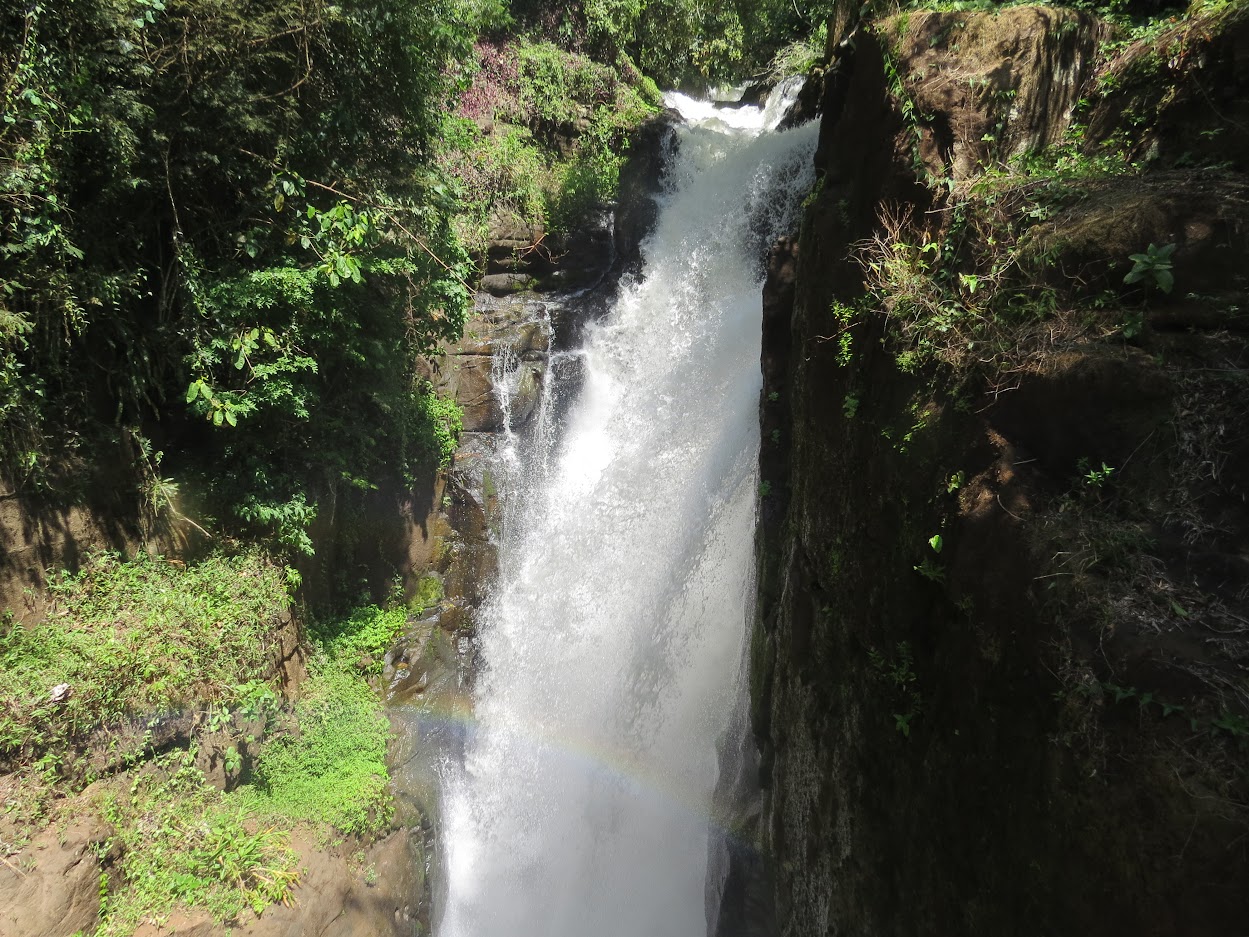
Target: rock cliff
(1000,670)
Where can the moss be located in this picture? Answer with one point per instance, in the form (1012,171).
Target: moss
(429,592)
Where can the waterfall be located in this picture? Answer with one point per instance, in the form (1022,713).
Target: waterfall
(612,643)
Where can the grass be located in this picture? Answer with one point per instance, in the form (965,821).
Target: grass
(333,770)
(185,844)
(135,638)
(143,637)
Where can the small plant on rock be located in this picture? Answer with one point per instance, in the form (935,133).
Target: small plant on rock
(1153,267)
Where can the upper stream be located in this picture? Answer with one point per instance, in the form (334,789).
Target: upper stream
(612,643)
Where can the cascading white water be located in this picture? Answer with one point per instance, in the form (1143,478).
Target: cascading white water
(612,642)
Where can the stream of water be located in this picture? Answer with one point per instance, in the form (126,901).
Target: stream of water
(612,644)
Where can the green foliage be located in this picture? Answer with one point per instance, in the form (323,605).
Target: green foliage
(333,770)
(930,570)
(675,40)
(1221,724)
(540,136)
(185,844)
(965,293)
(896,674)
(220,206)
(799,56)
(500,174)
(429,592)
(367,632)
(135,638)
(845,316)
(1095,477)
(1154,267)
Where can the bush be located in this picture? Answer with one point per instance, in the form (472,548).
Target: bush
(218,208)
(539,136)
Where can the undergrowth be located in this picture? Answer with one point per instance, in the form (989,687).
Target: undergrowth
(539,136)
(333,769)
(134,638)
(975,289)
(184,843)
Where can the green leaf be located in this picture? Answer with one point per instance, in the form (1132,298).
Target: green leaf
(935,542)
(231,418)
(1165,279)
(192,391)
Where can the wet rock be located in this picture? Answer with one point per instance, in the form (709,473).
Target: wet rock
(501,336)
(474,392)
(504,284)
(641,181)
(525,397)
(807,105)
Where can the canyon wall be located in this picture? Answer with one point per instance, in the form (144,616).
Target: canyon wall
(999,670)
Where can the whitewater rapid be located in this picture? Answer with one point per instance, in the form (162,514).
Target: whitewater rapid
(612,642)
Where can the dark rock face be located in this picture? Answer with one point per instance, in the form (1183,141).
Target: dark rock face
(968,740)
(1182,98)
(641,181)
